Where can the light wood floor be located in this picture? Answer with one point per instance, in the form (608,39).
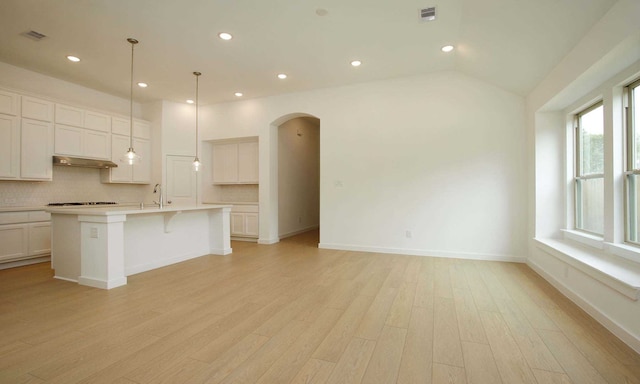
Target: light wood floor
(291,313)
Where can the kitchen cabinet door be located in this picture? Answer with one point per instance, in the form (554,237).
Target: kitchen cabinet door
(248,163)
(96,144)
(120,126)
(237,224)
(69,115)
(9,103)
(225,163)
(97,121)
(36,150)
(142,171)
(251,224)
(13,242)
(39,239)
(37,109)
(9,147)
(123,173)
(68,140)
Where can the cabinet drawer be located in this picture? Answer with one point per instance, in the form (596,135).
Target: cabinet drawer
(39,216)
(14,217)
(248,208)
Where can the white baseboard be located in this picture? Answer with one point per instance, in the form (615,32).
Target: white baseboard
(422,252)
(604,320)
(268,241)
(20,263)
(102,284)
(299,231)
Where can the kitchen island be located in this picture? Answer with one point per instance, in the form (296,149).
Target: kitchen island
(101,246)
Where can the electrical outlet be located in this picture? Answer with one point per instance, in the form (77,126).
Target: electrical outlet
(11,200)
(408,234)
(299,219)
(93,233)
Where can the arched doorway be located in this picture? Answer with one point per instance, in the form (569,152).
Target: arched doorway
(298,209)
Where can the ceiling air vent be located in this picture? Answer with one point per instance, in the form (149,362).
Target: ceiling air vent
(428,14)
(33,35)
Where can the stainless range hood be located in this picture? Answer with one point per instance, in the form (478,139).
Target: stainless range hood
(80,162)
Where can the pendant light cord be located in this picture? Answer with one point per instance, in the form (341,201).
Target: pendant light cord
(197,78)
(133,43)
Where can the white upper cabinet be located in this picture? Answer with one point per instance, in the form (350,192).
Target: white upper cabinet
(248,163)
(141,130)
(37,109)
(235,162)
(120,126)
(9,103)
(68,115)
(80,142)
(125,173)
(225,163)
(9,147)
(97,121)
(36,150)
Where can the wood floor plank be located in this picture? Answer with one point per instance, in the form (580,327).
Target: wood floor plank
(234,356)
(446,374)
(376,315)
(547,377)
(290,362)
(442,279)
(385,362)
(339,337)
(417,356)
(400,311)
(447,348)
(469,324)
(511,364)
(480,367)
(573,362)
(254,367)
(353,363)
(314,372)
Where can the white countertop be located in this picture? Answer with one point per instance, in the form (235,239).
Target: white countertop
(22,209)
(232,202)
(129,209)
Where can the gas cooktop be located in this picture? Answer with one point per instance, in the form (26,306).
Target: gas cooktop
(82,203)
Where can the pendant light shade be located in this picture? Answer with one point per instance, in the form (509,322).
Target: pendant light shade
(131,157)
(196,161)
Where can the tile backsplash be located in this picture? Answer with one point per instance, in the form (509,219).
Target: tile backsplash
(245,193)
(69,184)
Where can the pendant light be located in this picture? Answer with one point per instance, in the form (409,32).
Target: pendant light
(131,157)
(196,162)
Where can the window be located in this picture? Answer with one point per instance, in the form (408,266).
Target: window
(589,172)
(632,174)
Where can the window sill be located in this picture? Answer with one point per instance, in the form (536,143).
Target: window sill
(603,265)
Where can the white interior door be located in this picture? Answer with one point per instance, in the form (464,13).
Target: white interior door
(181,180)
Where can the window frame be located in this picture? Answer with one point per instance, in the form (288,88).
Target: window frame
(578,177)
(630,127)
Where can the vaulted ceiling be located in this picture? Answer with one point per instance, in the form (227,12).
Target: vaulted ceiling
(512,44)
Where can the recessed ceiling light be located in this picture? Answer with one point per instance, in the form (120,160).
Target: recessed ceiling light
(356,63)
(225,36)
(73,58)
(282,76)
(238,94)
(447,48)
(190,101)
(143,85)
(321,12)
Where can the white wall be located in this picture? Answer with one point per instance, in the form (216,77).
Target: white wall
(605,58)
(298,176)
(441,156)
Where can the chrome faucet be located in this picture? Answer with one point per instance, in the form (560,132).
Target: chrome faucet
(158,189)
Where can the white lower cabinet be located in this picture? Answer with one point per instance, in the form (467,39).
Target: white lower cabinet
(244,221)
(24,235)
